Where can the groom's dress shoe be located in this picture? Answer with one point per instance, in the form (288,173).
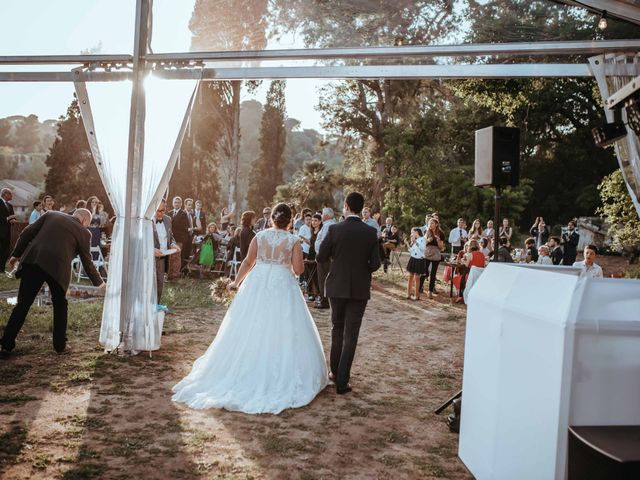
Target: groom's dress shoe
(343,390)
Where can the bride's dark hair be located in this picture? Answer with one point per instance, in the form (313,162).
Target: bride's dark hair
(281,215)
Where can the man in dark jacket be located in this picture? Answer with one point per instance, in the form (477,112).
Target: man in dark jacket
(352,247)
(570,240)
(556,250)
(180,224)
(46,249)
(7,218)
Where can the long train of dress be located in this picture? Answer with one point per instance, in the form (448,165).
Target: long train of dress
(267,355)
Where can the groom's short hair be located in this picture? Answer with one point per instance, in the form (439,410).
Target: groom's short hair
(355,202)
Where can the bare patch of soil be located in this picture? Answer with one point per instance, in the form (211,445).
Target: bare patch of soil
(91,415)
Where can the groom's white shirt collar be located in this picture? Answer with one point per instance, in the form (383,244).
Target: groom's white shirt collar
(354,215)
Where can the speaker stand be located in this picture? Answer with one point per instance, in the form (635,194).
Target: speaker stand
(496,221)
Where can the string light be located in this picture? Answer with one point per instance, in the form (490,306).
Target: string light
(602,23)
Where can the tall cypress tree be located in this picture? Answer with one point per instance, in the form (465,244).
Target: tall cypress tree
(266,171)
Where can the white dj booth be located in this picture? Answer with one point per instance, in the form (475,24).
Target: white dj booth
(545,349)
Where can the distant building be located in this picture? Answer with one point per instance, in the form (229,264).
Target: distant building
(24,194)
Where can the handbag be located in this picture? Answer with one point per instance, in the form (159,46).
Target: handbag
(447,274)
(207,255)
(432,253)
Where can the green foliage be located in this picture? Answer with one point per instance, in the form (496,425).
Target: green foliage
(266,171)
(228,25)
(196,174)
(313,187)
(618,210)
(72,172)
(555,115)
(430,171)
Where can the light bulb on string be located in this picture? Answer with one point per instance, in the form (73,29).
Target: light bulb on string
(602,23)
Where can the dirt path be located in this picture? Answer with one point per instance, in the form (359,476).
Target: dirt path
(89,415)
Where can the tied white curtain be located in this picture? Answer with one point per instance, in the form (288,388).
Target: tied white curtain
(105,110)
(628,149)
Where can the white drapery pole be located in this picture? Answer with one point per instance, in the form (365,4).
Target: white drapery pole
(627,149)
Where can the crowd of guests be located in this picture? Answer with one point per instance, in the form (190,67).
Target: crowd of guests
(215,246)
(476,247)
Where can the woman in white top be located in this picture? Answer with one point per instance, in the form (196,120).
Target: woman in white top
(489,232)
(416,265)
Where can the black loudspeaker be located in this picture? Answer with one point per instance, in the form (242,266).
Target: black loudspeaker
(497,157)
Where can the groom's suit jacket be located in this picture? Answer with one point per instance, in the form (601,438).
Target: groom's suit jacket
(352,247)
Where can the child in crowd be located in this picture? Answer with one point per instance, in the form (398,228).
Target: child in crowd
(416,265)
(543,256)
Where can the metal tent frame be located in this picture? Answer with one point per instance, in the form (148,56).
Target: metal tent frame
(181,65)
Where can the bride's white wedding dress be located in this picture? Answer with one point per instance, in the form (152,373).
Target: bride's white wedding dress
(267,355)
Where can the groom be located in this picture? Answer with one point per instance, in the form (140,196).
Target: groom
(352,246)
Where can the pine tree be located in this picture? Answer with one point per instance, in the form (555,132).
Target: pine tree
(266,171)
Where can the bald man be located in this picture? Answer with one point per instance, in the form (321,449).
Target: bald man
(45,250)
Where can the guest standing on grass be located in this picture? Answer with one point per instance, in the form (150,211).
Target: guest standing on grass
(416,265)
(556,250)
(506,231)
(247,233)
(570,240)
(7,219)
(162,241)
(458,236)
(45,250)
(432,256)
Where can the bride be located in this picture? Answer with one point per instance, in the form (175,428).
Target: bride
(267,355)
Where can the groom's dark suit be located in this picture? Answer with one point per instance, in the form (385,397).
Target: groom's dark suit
(352,246)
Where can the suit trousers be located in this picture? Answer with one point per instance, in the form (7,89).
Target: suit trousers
(32,277)
(161,268)
(346,318)
(323,272)
(4,252)
(432,269)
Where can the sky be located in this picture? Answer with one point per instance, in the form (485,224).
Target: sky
(30,27)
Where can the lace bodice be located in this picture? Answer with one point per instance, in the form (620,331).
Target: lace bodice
(275,246)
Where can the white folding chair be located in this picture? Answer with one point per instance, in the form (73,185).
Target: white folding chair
(395,259)
(233,263)
(98,261)
(220,262)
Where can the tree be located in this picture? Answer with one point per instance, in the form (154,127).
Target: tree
(196,173)
(5,130)
(72,172)
(314,187)
(27,135)
(266,172)
(555,115)
(364,109)
(228,25)
(618,210)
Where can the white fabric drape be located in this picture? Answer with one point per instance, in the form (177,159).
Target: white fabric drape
(628,149)
(105,110)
